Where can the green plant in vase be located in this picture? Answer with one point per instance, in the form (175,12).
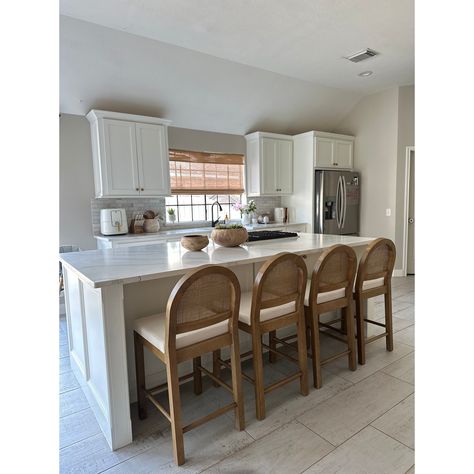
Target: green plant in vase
(171,214)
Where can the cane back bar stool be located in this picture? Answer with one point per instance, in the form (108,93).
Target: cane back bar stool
(275,302)
(330,289)
(374,278)
(201,316)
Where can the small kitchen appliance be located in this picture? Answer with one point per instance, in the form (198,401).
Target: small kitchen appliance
(113,222)
(281,214)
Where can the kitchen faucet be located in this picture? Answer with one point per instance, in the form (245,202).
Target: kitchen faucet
(214,222)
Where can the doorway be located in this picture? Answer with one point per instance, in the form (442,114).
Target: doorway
(409,217)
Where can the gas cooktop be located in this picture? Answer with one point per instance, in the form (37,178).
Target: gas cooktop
(269,234)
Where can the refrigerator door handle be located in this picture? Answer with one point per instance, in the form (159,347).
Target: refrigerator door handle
(338,203)
(344,201)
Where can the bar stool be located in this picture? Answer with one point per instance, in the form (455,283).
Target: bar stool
(201,316)
(275,302)
(374,278)
(330,289)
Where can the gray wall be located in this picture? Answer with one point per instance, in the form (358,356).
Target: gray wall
(383,125)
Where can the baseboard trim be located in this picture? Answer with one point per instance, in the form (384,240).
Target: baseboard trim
(398,273)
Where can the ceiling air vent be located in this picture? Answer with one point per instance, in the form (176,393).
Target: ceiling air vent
(362,55)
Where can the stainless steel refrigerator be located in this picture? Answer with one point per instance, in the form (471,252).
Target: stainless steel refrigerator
(337,198)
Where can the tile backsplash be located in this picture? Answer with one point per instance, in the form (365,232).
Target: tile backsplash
(134,206)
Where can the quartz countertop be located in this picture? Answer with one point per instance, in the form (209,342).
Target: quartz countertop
(185,231)
(100,268)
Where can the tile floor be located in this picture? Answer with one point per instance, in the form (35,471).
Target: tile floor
(358,422)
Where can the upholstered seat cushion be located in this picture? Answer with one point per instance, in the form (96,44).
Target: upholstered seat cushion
(265,314)
(152,328)
(324,297)
(375,283)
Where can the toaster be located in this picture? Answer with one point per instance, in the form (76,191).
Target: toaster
(113,222)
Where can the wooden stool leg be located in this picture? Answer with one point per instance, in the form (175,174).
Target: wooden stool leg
(271,342)
(175,412)
(302,353)
(360,332)
(197,376)
(140,374)
(316,351)
(216,366)
(349,323)
(258,373)
(237,384)
(343,322)
(388,320)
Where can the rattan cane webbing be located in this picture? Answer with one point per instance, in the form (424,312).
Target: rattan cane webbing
(206,297)
(336,269)
(281,280)
(379,259)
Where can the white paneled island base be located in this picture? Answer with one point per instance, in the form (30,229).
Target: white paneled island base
(106,290)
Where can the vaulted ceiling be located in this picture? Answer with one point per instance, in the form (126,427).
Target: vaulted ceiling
(232,66)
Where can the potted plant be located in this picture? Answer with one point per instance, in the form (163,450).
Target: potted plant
(230,235)
(171,214)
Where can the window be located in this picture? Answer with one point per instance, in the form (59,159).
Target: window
(199,179)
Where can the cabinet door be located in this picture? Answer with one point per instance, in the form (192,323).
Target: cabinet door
(119,159)
(268,166)
(323,149)
(153,160)
(343,154)
(284,168)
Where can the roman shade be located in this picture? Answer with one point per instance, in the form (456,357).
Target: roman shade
(193,172)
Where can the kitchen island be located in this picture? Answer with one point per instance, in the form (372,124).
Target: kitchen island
(106,290)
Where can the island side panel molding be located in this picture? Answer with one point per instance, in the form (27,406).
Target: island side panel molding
(74,304)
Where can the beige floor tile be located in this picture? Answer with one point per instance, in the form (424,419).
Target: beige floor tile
(399,422)
(72,401)
(407,313)
(398,325)
(76,427)
(405,336)
(93,455)
(285,404)
(291,448)
(411,470)
(204,446)
(377,357)
(67,381)
(368,452)
(340,417)
(403,369)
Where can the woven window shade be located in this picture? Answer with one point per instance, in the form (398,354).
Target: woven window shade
(206,173)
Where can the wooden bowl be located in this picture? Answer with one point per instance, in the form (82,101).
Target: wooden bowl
(194,242)
(229,237)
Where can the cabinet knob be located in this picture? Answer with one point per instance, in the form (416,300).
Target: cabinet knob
(142,189)
(137,189)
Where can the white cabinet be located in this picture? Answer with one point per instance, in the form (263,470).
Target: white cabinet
(130,155)
(269,164)
(333,152)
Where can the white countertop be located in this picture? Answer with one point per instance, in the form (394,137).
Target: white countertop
(100,268)
(187,231)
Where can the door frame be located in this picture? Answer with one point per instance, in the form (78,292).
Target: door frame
(406,197)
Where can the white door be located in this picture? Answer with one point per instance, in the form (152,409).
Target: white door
(119,160)
(153,160)
(342,154)
(411,218)
(268,166)
(323,149)
(284,168)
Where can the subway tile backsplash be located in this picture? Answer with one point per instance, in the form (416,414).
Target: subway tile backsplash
(134,206)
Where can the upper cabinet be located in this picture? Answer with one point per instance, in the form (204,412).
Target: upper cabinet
(130,155)
(332,150)
(269,164)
